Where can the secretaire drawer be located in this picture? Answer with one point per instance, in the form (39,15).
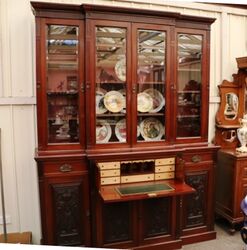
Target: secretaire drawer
(137,178)
(110,172)
(167,168)
(164,176)
(164,161)
(63,167)
(108,165)
(110,180)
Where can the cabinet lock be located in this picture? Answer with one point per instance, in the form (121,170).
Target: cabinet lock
(196,158)
(66,168)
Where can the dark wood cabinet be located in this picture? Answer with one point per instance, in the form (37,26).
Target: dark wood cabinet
(231,185)
(64,193)
(128,89)
(198,208)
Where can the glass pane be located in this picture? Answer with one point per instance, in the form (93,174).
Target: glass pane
(151,85)
(189,85)
(110,96)
(62,83)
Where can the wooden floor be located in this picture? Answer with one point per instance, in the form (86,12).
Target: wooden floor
(224,240)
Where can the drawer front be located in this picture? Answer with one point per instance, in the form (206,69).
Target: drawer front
(167,168)
(137,178)
(63,167)
(110,180)
(110,172)
(164,176)
(244,174)
(164,161)
(108,165)
(198,158)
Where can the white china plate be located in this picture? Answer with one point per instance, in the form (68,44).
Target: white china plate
(151,129)
(103,131)
(114,101)
(120,130)
(120,69)
(99,101)
(158,100)
(144,102)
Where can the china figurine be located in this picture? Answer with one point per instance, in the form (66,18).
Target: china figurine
(242,135)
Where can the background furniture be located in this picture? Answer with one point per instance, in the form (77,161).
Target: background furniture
(119,85)
(231,166)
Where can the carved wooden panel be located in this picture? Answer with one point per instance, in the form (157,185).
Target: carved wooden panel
(68,213)
(117,222)
(156,217)
(195,204)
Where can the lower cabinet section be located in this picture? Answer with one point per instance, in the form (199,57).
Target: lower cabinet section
(231,185)
(157,214)
(198,208)
(64,194)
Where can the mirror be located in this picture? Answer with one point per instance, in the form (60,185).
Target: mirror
(231,107)
(229,135)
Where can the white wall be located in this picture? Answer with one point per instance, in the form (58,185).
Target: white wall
(17,91)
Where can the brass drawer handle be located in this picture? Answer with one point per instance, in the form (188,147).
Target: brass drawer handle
(65,168)
(196,158)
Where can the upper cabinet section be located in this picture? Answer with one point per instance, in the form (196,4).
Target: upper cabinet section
(62,65)
(142,77)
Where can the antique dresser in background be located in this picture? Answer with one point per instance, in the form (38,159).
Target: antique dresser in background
(122,108)
(231,181)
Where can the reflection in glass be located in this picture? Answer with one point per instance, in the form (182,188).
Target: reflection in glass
(62,83)
(231,108)
(189,85)
(229,135)
(151,85)
(110,77)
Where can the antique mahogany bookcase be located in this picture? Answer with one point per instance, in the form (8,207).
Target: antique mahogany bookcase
(122,107)
(231,181)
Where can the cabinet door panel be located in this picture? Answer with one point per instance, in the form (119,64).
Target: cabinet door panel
(155,217)
(67,211)
(118,222)
(195,205)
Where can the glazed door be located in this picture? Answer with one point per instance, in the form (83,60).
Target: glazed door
(60,87)
(150,83)
(191,95)
(108,82)
(128,81)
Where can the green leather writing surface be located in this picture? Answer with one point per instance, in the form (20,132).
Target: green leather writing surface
(143,189)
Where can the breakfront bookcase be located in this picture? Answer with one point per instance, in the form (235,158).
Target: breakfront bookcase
(122,107)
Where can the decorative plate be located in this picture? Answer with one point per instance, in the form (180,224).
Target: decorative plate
(114,101)
(151,129)
(144,102)
(103,131)
(99,101)
(123,92)
(158,100)
(120,69)
(120,130)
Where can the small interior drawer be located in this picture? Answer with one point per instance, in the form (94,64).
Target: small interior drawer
(167,168)
(110,180)
(108,165)
(164,176)
(164,161)
(137,178)
(109,172)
